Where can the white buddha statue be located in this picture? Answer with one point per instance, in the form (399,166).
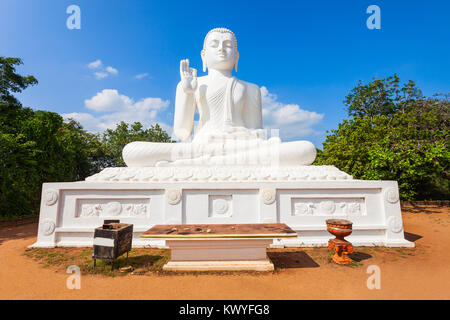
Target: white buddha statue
(229,131)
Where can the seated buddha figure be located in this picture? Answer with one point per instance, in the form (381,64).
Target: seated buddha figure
(229,130)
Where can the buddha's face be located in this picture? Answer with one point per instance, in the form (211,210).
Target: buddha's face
(220,52)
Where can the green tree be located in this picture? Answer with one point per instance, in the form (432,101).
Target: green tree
(37,147)
(11,111)
(393,134)
(115,140)
(17,174)
(381,97)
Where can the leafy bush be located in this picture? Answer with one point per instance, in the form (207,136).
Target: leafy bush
(394,134)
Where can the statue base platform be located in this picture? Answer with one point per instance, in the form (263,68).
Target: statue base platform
(239,265)
(219,254)
(301,197)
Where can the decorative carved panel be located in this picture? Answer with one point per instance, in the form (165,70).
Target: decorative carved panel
(328,207)
(112,208)
(220,206)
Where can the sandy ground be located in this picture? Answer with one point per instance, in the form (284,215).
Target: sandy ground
(419,273)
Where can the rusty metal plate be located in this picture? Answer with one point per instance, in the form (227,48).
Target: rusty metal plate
(257,230)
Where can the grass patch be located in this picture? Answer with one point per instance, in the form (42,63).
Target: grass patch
(151,261)
(144,262)
(353,264)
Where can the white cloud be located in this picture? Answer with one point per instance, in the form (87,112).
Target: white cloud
(94,65)
(108,100)
(101,72)
(112,70)
(100,75)
(141,76)
(292,121)
(112,108)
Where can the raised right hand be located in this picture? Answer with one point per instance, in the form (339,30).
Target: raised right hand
(188,77)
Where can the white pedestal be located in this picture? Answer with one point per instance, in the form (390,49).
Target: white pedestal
(219,254)
(301,197)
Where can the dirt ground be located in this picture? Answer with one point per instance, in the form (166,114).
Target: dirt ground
(301,273)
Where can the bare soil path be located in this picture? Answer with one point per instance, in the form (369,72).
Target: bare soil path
(419,273)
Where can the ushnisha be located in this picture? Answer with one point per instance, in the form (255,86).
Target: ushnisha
(229,131)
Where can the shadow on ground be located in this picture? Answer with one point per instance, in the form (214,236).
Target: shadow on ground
(18,232)
(359,256)
(298,259)
(412,237)
(422,209)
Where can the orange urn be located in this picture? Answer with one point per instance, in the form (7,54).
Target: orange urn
(340,228)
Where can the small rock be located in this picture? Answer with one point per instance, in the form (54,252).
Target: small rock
(126,269)
(209,230)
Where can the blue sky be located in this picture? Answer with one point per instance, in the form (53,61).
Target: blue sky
(307,55)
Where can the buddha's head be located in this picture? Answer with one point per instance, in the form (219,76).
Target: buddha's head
(220,50)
